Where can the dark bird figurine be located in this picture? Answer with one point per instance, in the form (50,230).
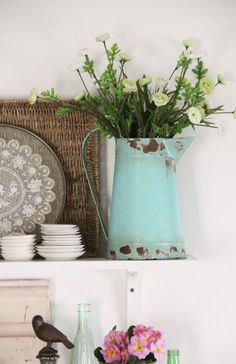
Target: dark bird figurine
(49,334)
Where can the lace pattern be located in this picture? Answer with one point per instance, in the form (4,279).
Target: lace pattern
(26,190)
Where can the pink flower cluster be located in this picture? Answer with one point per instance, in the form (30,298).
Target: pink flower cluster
(145,341)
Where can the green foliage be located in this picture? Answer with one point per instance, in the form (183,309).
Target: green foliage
(112,52)
(88,66)
(147,360)
(135,360)
(127,108)
(200,71)
(98,355)
(130,331)
(184,62)
(64,110)
(49,95)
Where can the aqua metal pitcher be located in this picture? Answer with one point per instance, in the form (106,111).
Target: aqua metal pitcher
(145,218)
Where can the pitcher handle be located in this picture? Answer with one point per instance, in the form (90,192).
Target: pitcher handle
(92,190)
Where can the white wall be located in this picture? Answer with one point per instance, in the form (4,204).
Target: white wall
(194,304)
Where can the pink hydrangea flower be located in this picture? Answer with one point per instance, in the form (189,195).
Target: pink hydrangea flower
(111,353)
(138,347)
(159,349)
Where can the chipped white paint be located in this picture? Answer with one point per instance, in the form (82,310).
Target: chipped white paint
(20,300)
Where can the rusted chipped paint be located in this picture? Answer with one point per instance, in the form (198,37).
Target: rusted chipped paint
(134,143)
(143,252)
(162,146)
(168,162)
(161,252)
(152,146)
(125,249)
(113,254)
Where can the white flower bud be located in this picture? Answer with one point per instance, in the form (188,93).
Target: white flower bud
(32,98)
(102,37)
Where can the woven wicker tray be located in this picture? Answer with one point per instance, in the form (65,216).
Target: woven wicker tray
(65,136)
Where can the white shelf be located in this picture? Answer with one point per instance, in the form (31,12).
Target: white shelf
(94,264)
(60,270)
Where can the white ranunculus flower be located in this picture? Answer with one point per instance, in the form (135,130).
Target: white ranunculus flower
(32,97)
(161,82)
(123,56)
(223,128)
(203,113)
(145,81)
(129,85)
(207,85)
(76,66)
(222,80)
(81,95)
(194,115)
(192,53)
(160,99)
(82,52)
(103,37)
(188,43)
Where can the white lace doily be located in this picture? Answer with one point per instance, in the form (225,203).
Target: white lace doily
(25,188)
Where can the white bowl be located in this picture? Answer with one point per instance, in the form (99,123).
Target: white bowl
(18,250)
(61,256)
(13,240)
(18,237)
(16,257)
(16,245)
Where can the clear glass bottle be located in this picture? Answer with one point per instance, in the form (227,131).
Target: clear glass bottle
(83,352)
(173,356)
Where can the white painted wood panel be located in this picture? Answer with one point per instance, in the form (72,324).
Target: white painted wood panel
(20,300)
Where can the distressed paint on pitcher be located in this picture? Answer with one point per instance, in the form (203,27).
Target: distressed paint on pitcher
(145,218)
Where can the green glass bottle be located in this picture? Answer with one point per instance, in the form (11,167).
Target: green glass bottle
(173,356)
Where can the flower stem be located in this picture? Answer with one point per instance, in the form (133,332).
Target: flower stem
(82,80)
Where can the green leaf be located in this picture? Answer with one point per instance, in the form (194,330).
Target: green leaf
(112,52)
(64,110)
(49,95)
(88,65)
(135,360)
(98,355)
(130,331)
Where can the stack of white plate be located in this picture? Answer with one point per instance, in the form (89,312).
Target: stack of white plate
(60,242)
(18,247)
